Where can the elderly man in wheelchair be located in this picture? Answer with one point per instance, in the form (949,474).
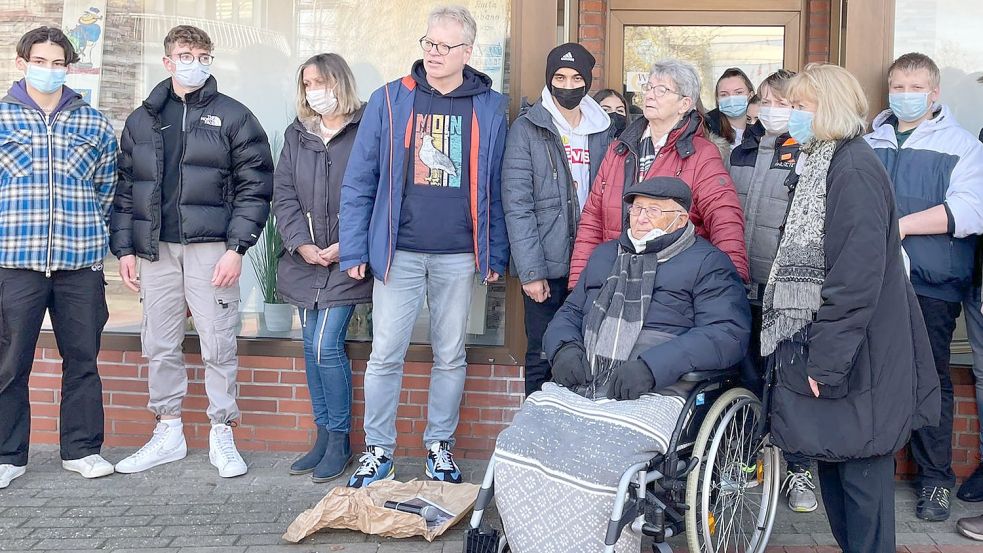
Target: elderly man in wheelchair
(644,430)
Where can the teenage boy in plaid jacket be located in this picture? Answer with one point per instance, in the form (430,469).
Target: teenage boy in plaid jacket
(57,179)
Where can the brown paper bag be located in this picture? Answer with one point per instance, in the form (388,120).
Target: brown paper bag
(362,509)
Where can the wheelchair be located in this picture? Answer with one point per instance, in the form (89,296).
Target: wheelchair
(719,481)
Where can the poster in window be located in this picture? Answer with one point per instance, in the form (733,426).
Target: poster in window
(84,21)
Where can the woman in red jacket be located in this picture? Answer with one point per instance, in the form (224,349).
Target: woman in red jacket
(669,141)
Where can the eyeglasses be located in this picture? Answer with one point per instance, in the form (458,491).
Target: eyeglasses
(658,90)
(442,49)
(650,212)
(187,58)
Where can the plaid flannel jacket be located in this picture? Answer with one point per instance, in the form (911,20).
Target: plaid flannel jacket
(57,181)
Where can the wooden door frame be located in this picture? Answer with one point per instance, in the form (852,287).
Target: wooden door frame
(619,19)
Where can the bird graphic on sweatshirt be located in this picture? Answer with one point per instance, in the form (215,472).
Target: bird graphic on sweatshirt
(434,158)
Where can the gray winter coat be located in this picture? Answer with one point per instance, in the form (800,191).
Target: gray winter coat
(541,210)
(761,165)
(306,199)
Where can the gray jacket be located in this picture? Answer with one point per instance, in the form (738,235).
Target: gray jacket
(541,208)
(763,174)
(306,200)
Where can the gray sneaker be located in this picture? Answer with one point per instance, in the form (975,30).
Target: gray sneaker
(799,488)
(971,527)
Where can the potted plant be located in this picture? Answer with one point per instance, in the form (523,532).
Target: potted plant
(265,258)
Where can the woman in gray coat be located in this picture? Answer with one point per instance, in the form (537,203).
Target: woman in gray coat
(306,198)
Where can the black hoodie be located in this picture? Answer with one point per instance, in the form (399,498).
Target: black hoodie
(436,213)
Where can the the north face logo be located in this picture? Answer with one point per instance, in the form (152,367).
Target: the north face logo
(567,57)
(211,120)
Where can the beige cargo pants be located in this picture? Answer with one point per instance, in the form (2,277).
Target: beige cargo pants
(182,279)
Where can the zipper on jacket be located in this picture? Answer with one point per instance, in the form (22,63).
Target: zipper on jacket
(180,168)
(51,196)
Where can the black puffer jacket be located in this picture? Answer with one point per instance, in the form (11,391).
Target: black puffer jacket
(867,344)
(226,174)
(306,200)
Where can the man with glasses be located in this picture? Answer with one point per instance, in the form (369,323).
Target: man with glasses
(57,176)
(195,181)
(421,207)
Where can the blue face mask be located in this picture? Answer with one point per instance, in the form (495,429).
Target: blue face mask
(800,125)
(908,106)
(733,106)
(45,80)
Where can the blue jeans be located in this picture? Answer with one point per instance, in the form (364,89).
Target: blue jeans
(329,372)
(974,330)
(445,281)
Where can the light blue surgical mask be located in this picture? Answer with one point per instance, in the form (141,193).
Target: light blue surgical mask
(45,79)
(800,125)
(908,106)
(733,106)
(192,75)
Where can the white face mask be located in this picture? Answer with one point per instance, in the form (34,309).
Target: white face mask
(323,101)
(775,119)
(193,75)
(640,243)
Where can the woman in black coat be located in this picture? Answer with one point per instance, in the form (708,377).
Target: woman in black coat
(851,368)
(306,199)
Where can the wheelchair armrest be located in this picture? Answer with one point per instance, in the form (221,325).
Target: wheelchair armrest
(703,376)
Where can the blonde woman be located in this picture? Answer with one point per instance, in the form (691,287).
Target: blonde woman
(306,198)
(851,363)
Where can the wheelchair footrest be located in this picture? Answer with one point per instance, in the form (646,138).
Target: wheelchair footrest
(479,540)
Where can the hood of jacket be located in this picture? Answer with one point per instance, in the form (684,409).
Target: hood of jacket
(308,127)
(18,95)
(475,82)
(886,122)
(593,118)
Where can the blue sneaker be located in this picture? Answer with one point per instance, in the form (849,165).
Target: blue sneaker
(374,465)
(441,465)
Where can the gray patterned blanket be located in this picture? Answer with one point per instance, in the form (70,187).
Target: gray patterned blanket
(559,463)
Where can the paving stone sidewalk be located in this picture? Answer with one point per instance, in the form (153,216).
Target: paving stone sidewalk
(185,507)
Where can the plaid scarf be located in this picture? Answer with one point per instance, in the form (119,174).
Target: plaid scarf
(794,290)
(617,315)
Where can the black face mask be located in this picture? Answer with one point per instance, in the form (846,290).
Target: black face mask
(619,122)
(569,98)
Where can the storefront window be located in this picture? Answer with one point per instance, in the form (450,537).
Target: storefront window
(258,46)
(757,50)
(948,32)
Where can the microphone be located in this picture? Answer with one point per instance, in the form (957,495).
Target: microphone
(428,512)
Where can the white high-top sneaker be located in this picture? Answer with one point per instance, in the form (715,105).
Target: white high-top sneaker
(91,466)
(8,473)
(222,452)
(165,446)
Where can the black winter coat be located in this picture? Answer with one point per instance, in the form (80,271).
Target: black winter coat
(699,298)
(306,199)
(226,174)
(867,345)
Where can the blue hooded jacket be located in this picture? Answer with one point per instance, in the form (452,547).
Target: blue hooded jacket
(372,190)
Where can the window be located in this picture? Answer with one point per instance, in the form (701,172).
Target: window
(258,46)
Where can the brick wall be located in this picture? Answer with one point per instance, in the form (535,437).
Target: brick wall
(275,405)
(817,30)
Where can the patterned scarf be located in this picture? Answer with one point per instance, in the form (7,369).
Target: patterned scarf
(794,290)
(615,320)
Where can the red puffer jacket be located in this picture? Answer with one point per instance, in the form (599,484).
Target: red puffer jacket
(687,154)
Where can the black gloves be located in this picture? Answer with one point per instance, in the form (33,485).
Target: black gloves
(630,380)
(570,366)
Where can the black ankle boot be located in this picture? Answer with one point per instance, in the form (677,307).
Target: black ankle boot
(310,459)
(336,458)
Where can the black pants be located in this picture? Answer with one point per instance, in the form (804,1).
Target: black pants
(859,500)
(537,316)
(753,376)
(76,301)
(932,447)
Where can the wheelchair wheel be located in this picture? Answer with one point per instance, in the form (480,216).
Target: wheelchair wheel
(733,493)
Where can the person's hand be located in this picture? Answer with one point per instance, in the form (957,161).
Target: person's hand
(570,366)
(630,380)
(227,270)
(492,277)
(311,255)
(357,272)
(814,386)
(331,254)
(903,227)
(537,290)
(128,272)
